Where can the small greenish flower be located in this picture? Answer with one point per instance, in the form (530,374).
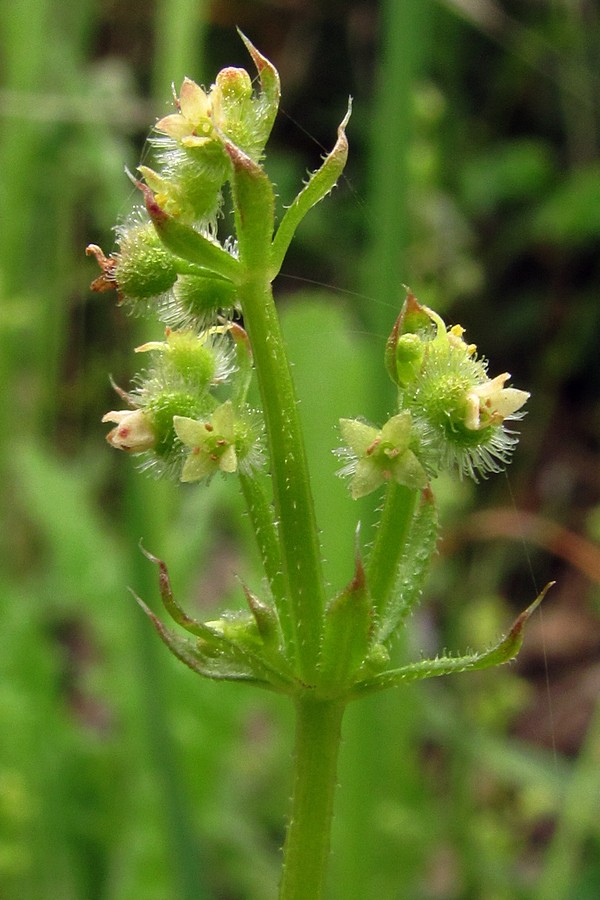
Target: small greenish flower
(379,455)
(458,412)
(211,443)
(192,125)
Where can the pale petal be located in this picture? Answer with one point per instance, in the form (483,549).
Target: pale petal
(189,431)
(222,421)
(368,476)
(197,466)
(472,415)
(509,401)
(228,461)
(409,471)
(175,125)
(194,140)
(193,102)
(154,181)
(358,435)
(115,415)
(151,345)
(492,386)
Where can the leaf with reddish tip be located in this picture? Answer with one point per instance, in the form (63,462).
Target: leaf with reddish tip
(318,186)
(505,650)
(265,618)
(199,629)
(220,667)
(346,632)
(187,243)
(269,82)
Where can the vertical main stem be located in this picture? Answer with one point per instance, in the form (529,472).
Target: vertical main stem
(294,506)
(307,845)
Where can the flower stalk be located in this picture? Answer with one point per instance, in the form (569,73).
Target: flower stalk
(188,417)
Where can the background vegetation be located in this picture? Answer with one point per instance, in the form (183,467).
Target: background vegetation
(475,178)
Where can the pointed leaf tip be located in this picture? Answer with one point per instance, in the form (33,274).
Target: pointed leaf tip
(264,616)
(516,631)
(504,651)
(171,605)
(145,608)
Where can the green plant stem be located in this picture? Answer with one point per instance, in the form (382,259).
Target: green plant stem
(291,488)
(306,851)
(261,517)
(294,506)
(396,519)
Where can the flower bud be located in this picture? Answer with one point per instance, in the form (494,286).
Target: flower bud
(233,87)
(404,347)
(134,432)
(235,111)
(409,356)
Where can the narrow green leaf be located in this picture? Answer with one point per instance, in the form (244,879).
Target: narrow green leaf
(177,613)
(318,186)
(220,667)
(254,202)
(413,568)
(265,618)
(260,510)
(390,542)
(505,650)
(347,631)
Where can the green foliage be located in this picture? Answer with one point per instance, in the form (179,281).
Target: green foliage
(502,222)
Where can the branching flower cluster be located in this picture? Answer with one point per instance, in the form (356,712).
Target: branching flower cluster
(452,415)
(188,417)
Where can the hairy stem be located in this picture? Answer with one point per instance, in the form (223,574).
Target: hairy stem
(261,517)
(306,851)
(294,506)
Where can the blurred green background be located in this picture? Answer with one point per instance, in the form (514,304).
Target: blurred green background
(474,177)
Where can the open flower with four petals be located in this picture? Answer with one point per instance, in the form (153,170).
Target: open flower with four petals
(375,456)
